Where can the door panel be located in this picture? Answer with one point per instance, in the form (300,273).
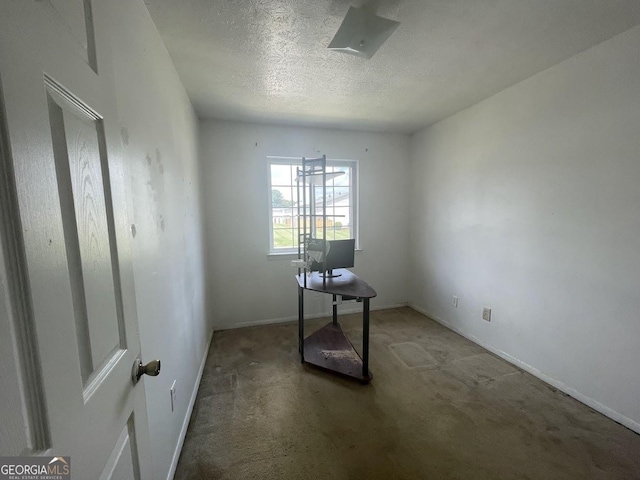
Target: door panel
(61,130)
(123,461)
(77,134)
(75,17)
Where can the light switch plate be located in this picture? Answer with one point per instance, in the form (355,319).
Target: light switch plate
(172,392)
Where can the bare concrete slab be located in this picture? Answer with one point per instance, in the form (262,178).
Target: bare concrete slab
(467,414)
(484,367)
(412,355)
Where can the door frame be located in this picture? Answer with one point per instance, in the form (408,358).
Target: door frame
(26,352)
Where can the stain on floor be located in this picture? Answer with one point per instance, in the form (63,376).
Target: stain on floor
(412,355)
(439,407)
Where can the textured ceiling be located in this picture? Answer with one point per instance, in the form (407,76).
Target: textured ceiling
(267,61)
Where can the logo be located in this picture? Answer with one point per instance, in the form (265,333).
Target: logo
(35,468)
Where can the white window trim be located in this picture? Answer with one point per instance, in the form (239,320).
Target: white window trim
(331,162)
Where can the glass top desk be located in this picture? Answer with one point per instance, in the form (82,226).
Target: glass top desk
(329,348)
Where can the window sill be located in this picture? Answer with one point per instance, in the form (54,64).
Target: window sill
(283,254)
(292,255)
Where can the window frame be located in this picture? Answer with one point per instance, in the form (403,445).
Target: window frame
(353,198)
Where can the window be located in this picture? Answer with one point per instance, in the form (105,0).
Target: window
(283,203)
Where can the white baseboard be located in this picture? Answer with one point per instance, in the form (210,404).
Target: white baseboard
(187,418)
(272,321)
(612,414)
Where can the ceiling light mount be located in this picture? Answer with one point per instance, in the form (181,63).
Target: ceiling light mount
(362,33)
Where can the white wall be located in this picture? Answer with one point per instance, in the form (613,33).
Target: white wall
(529,203)
(159,134)
(247,286)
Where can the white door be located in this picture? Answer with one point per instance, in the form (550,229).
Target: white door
(78,332)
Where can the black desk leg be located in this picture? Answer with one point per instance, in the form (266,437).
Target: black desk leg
(301,323)
(365,339)
(335,310)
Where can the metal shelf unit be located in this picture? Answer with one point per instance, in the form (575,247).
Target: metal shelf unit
(309,176)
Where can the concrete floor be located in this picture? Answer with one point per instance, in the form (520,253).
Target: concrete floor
(439,407)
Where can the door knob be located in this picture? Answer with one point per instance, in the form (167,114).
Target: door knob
(152,368)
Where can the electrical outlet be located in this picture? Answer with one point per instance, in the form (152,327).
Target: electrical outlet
(486,314)
(172,392)
(454,301)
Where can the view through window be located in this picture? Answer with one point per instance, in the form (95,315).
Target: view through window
(340,203)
